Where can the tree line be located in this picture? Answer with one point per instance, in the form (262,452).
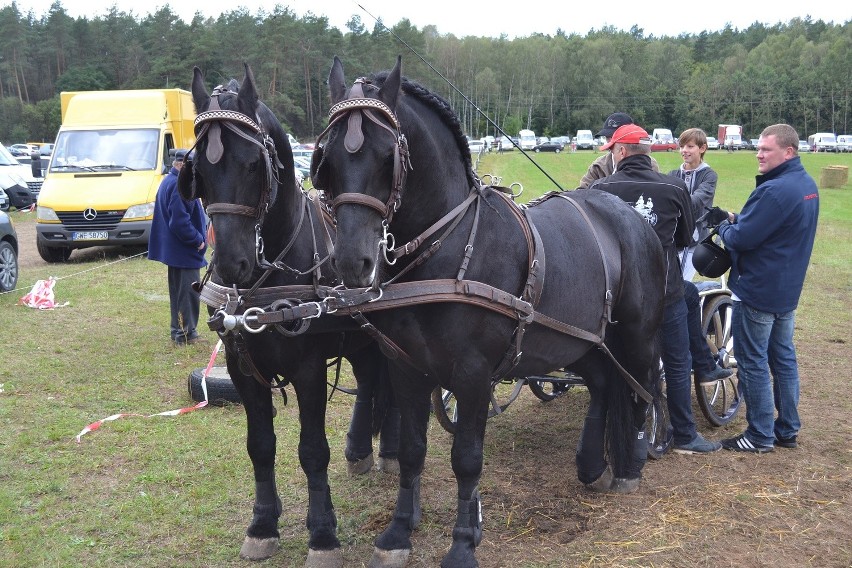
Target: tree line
(798,72)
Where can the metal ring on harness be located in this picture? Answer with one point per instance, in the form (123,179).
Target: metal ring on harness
(299,326)
(251,312)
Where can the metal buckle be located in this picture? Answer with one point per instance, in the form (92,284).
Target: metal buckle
(251,312)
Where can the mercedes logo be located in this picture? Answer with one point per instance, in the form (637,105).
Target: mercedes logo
(90,214)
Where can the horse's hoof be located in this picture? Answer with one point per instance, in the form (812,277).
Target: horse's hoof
(603,483)
(389,558)
(324,558)
(360,467)
(388,465)
(624,485)
(258,548)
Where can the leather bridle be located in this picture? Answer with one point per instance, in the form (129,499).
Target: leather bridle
(355,107)
(208,124)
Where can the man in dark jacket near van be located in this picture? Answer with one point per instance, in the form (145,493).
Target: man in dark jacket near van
(770,242)
(178,240)
(663,201)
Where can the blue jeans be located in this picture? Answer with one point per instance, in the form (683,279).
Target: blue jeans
(702,358)
(677,363)
(763,343)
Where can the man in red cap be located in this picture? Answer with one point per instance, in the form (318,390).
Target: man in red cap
(664,202)
(604,165)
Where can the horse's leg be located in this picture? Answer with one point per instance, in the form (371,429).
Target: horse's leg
(309,381)
(473,397)
(393,545)
(592,467)
(374,412)
(262,537)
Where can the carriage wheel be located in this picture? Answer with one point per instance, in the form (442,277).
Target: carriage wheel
(720,401)
(658,428)
(445,406)
(547,389)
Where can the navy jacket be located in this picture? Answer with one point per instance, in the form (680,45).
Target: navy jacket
(663,201)
(772,239)
(178,228)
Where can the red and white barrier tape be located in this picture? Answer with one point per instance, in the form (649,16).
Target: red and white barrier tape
(97,424)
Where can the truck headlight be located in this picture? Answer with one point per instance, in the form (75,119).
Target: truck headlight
(46,214)
(139,211)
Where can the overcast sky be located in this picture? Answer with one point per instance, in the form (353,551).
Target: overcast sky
(495,17)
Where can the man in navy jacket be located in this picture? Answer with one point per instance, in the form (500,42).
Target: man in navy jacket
(770,242)
(178,241)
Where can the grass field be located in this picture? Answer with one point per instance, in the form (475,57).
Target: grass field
(178,491)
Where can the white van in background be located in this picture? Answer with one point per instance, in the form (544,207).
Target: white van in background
(823,142)
(844,143)
(526,139)
(585,140)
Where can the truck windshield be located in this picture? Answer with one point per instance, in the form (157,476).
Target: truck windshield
(106,149)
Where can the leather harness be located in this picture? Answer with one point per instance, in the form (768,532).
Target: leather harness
(256,308)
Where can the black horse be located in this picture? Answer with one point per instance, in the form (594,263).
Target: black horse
(243,171)
(574,280)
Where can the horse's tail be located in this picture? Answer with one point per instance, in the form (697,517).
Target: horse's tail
(626,443)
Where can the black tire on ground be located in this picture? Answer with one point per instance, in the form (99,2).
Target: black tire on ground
(53,254)
(658,428)
(220,388)
(719,402)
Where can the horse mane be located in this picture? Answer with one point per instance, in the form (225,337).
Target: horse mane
(444,111)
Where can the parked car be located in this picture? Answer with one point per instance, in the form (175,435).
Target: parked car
(476,146)
(17,180)
(8,254)
(751,144)
(46,149)
(19,150)
(505,144)
(804,146)
(4,200)
(548,147)
(712,143)
(303,165)
(844,143)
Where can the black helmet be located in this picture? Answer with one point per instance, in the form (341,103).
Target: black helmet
(710,259)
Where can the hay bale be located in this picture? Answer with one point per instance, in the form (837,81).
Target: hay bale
(834,176)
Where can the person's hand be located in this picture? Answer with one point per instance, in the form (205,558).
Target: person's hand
(715,216)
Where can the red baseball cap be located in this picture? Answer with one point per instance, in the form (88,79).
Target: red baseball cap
(628,134)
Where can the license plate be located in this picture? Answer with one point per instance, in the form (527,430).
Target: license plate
(89,236)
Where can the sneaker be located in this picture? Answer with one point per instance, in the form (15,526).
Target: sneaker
(699,445)
(742,444)
(790,442)
(717,374)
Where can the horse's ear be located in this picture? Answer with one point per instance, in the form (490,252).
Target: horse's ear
(336,81)
(248,92)
(389,93)
(188,185)
(199,93)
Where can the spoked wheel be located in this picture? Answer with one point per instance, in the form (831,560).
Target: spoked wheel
(554,385)
(445,406)
(658,428)
(719,401)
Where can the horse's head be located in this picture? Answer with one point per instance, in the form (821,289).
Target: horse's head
(236,170)
(362,167)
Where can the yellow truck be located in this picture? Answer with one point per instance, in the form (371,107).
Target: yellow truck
(109,158)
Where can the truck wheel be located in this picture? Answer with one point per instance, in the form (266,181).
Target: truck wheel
(53,254)
(220,388)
